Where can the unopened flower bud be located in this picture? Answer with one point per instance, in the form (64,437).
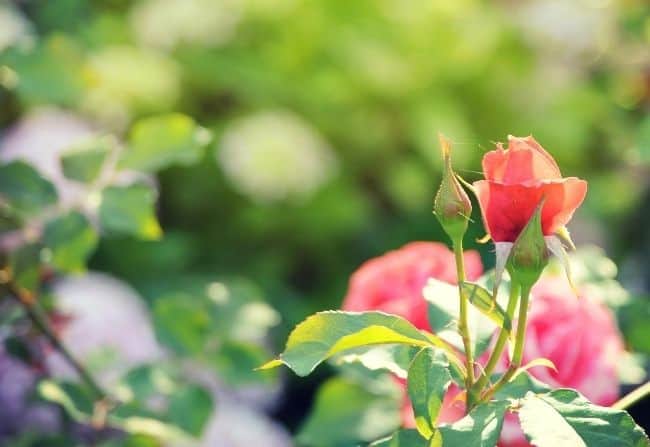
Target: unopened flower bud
(529,254)
(451,206)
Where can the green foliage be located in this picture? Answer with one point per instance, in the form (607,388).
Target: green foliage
(364,416)
(159,141)
(356,74)
(395,359)
(182,322)
(49,72)
(24,189)
(83,163)
(187,406)
(69,240)
(403,438)
(154,405)
(129,210)
(428,380)
(480,428)
(326,334)
(565,418)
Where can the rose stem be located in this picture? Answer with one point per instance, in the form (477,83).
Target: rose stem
(463,326)
(35,314)
(501,340)
(633,397)
(518,353)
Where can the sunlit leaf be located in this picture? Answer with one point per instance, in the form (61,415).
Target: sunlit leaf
(325,334)
(428,380)
(403,438)
(480,428)
(395,359)
(564,418)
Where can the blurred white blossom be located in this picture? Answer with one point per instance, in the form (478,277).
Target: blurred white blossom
(167,23)
(124,80)
(14,28)
(575,31)
(109,326)
(274,156)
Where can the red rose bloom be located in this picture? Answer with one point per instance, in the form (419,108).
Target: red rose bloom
(516,179)
(393,282)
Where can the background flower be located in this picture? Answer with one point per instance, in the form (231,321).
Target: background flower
(274,156)
(393,282)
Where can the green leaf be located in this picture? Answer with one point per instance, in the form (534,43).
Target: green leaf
(182,322)
(69,241)
(346,413)
(325,334)
(190,408)
(564,418)
(395,359)
(83,163)
(403,438)
(129,210)
(428,380)
(159,141)
(483,301)
(480,428)
(24,189)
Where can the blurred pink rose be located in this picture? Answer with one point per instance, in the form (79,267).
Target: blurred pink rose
(393,282)
(580,336)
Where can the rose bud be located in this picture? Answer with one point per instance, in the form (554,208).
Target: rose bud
(451,206)
(516,179)
(529,254)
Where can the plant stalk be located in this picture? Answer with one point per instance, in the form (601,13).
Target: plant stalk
(501,340)
(35,314)
(518,352)
(463,326)
(633,397)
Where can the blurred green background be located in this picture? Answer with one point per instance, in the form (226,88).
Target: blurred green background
(325,117)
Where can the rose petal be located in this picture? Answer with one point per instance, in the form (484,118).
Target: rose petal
(524,161)
(507,208)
